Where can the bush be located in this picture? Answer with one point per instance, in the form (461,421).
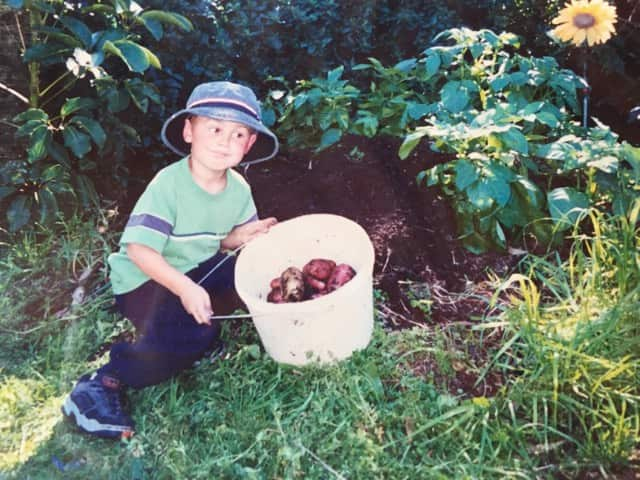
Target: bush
(85,89)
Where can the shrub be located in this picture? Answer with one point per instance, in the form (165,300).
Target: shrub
(86,65)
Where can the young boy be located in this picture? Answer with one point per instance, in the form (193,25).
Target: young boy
(191,211)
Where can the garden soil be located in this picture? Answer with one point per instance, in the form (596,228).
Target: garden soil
(411,227)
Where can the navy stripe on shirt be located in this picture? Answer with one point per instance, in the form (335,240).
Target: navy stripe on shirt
(149,221)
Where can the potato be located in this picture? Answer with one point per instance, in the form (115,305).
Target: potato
(275,283)
(315,284)
(275,296)
(319,268)
(340,275)
(292,284)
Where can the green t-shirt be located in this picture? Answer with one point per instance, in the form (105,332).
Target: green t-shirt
(180,220)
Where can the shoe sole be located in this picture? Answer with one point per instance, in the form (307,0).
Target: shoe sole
(91,425)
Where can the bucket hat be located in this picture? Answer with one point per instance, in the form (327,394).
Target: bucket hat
(223,101)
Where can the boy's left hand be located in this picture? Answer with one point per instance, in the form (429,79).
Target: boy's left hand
(247,232)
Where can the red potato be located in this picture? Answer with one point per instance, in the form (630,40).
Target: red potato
(340,275)
(275,296)
(275,283)
(319,268)
(315,284)
(292,284)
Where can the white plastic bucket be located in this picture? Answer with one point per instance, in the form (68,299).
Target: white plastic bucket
(324,329)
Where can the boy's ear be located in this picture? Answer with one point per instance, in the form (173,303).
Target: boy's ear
(187,130)
(252,139)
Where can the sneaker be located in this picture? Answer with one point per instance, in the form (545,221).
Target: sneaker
(95,405)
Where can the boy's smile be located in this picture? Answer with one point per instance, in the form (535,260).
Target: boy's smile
(216,145)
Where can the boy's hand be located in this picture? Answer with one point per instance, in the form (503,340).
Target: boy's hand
(197,302)
(244,233)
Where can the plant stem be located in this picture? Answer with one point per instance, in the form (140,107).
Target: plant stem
(35,21)
(585,91)
(64,87)
(14,92)
(52,84)
(22,42)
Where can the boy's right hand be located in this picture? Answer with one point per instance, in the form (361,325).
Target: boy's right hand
(196,301)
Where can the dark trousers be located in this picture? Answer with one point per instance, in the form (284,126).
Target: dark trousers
(169,339)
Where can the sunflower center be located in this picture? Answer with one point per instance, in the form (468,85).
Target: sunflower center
(584,20)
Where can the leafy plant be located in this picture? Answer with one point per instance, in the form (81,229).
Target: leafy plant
(495,110)
(85,66)
(314,113)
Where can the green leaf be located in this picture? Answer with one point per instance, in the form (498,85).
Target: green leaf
(118,100)
(498,189)
(533,107)
(466,174)
(99,38)
(269,117)
(631,155)
(500,237)
(432,63)
(476,50)
(101,8)
(76,104)
(85,190)
(29,127)
(154,61)
(454,96)
(530,192)
(518,78)
(153,26)
(418,110)
(410,142)
(92,127)
(168,18)
(45,51)
(329,137)
(548,119)
(405,65)
(78,28)
(52,173)
(515,140)
(78,142)
(566,206)
(132,54)
(479,194)
(335,74)
(608,164)
(499,82)
(5,191)
(31,114)
(59,154)
(53,33)
(48,205)
(19,212)
(38,141)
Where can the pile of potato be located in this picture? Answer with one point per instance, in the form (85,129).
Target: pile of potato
(317,278)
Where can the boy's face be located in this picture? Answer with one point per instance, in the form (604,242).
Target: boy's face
(217,144)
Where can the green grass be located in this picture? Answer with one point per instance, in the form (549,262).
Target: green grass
(568,350)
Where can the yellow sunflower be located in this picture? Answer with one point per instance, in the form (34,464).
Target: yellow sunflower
(587,20)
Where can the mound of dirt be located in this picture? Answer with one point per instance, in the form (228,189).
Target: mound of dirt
(412,228)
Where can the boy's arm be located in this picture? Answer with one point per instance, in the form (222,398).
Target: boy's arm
(194,298)
(245,232)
